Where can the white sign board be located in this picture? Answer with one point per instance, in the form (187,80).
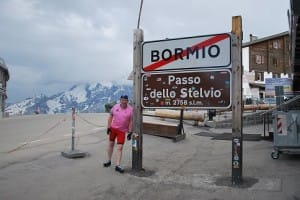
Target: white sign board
(210,51)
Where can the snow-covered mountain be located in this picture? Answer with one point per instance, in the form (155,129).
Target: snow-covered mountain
(84,98)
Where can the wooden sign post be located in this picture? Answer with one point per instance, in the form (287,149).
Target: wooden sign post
(237,116)
(137,139)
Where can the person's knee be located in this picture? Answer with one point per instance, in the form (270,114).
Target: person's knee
(120,147)
(111,144)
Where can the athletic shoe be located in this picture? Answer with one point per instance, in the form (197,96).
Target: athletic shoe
(119,169)
(107,164)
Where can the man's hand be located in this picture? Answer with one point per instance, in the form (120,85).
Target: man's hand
(129,136)
(108,131)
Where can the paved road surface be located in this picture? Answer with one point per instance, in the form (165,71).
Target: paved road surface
(31,165)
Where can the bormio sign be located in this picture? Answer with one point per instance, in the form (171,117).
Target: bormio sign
(201,89)
(210,51)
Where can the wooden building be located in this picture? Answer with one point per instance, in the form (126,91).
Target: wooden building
(4,77)
(269,54)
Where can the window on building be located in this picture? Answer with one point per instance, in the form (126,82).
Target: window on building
(261,95)
(259,76)
(276,75)
(275,62)
(259,59)
(276,44)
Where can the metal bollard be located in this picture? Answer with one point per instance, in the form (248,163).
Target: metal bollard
(73,153)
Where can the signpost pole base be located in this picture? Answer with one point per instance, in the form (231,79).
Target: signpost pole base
(180,131)
(74,154)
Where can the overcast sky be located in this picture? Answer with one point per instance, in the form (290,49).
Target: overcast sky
(50,45)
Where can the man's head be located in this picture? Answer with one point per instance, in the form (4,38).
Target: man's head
(124,100)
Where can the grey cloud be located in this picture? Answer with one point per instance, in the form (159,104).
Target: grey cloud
(62,42)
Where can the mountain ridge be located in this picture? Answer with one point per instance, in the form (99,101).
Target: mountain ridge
(85,97)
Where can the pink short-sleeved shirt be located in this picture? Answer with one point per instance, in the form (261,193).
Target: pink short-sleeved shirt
(121,117)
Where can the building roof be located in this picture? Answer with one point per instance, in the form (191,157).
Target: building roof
(247,44)
(4,67)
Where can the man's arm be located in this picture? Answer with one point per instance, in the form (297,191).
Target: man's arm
(109,120)
(129,129)
(130,125)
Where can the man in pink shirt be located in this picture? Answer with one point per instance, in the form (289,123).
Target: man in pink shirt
(119,122)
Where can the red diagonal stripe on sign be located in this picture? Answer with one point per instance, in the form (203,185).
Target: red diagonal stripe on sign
(200,45)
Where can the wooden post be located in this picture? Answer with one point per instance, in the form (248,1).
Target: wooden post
(137,139)
(237,116)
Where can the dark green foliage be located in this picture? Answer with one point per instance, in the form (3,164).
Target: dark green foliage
(108,106)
